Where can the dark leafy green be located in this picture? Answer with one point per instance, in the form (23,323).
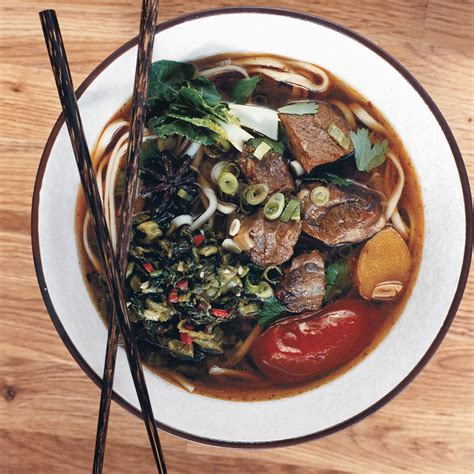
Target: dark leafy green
(243,89)
(166,77)
(181,103)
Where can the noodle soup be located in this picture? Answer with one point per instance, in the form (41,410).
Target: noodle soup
(278,231)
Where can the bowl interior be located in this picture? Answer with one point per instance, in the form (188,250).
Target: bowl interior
(425,313)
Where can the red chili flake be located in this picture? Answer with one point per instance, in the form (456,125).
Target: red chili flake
(183,285)
(173,296)
(186,338)
(198,240)
(220,313)
(188,327)
(148,267)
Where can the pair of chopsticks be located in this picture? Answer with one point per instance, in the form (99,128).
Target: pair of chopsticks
(114,269)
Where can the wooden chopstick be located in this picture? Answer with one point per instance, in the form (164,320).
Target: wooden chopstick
(138,115)
(59,64)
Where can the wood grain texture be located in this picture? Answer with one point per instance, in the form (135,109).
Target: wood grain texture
(48,406)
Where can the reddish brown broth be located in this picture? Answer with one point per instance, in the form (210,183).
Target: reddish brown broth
(233,389)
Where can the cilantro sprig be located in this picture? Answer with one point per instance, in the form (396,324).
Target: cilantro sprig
(368,156)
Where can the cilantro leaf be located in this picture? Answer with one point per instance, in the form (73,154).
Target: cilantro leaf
(277,147)
(368,157)
(270,312)
(338,280)
(300,108)
(243,89)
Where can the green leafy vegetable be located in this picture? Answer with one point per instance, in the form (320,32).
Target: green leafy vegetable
(181,103)
(300,108)
(368,157)
(277,147)
(270,312)
(339,136)
(328,178)
(243,89)
(338,280)
(163,128)
(165,79)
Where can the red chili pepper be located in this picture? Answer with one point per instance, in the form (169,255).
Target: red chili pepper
(188,327)
(198,240)
(173,296)
(183,285)
(186,338)
(220,313)
(148,267)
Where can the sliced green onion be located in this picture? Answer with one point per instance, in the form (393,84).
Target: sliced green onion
(232,168)
(234,227)
(228,183)
(296,216)
(183,194)
(272,274)
(249,309)
(218,169)
(290,208)
(262,289)
(320,195)
(256,194)
(231,246)
(274,206)
(251,288)
(261,150)
(129,270)
(208,250)
(339,136)
(151,230)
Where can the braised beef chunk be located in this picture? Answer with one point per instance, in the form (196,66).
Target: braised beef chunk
(311,137)
(271,170)
(303,285)
(351,214)
(272,241)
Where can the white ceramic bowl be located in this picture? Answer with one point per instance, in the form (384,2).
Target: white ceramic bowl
(444,266)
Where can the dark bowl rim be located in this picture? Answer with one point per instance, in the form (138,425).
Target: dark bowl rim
(462,175)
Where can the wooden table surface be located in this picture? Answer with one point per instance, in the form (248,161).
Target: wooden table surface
(48,406)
